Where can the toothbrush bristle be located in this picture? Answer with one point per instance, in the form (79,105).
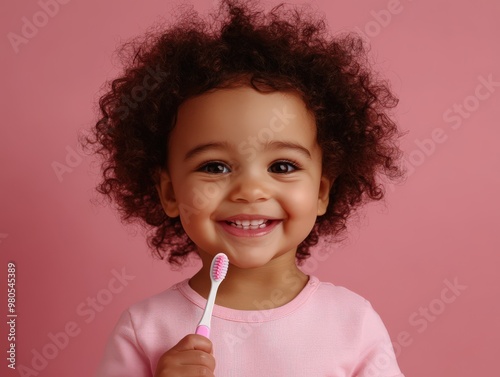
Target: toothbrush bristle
(219,267)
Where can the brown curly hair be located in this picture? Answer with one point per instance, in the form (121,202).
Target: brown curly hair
(280,50)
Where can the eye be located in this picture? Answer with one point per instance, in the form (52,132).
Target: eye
(214,168)
(283,167)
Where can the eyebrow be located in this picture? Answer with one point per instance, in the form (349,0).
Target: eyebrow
(277,145)
(288,145)
(204,147)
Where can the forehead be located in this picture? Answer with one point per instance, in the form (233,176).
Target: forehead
(243,113)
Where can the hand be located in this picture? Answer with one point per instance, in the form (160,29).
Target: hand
(191,357)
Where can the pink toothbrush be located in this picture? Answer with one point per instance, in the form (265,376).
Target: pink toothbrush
(218,271)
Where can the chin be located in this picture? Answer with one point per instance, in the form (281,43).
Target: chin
(250,259)
(247,263)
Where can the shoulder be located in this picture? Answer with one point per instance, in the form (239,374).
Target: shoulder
(338,292)
(331,297)
(162,315)
(166,299)
(345,313)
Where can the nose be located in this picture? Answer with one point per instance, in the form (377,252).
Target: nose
(250,188)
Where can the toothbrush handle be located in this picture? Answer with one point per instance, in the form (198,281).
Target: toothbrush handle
(203,330)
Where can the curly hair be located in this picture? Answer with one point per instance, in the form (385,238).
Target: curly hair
(281,50)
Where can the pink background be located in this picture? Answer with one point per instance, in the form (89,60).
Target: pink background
(437,227)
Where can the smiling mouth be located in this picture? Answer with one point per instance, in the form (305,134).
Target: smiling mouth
(248,224)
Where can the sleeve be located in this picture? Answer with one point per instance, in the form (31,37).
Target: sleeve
(123,356)
(376,352)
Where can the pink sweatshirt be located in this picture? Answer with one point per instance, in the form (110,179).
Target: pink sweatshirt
(326,330)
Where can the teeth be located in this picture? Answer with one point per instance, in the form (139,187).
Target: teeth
(249,224)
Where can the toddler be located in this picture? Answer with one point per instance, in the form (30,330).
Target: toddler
(253,134)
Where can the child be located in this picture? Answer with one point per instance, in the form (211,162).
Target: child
(253,135)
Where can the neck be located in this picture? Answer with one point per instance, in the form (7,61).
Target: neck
(266,287)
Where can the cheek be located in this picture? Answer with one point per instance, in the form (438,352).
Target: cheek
(301,200)
(200,196)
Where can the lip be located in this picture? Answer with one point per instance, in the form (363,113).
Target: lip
(240,232)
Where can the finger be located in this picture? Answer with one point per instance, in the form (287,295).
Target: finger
(191,352)
(194,342)
(174,363)
(197,371)
(196,357)
(186,371)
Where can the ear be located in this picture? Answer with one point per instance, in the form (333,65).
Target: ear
(166,193)
(324,194)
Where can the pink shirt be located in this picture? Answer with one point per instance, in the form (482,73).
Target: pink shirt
(326,331)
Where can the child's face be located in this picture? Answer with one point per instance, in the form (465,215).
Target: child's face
(237,155)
